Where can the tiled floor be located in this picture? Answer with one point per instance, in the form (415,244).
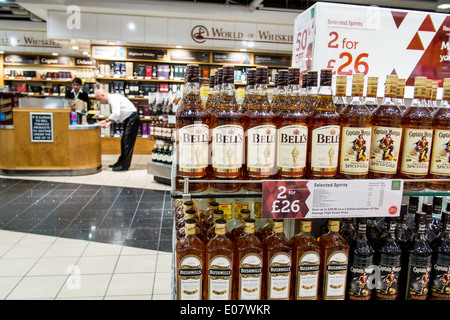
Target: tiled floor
(103,236)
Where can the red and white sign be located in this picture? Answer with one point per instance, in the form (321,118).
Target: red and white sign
(373,40)
(297,199)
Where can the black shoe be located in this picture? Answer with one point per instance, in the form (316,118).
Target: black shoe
(113,165)
(119,168)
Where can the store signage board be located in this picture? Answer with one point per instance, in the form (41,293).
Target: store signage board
(84,62)
(372,40)
(105,52)
(189,56)
(146,54)
(61,60)
(41,127)
(269,60)
(19,59)
(297,199)
(231,57)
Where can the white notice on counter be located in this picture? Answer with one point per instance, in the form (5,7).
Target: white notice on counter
(299,199)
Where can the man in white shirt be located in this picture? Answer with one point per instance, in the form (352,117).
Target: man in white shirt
(122,110)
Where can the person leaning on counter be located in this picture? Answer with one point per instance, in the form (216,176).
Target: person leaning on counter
(78,93)
(122,110)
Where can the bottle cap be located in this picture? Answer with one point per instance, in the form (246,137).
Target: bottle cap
(362,225)
(220,226)
(192,73)
(190,226)
(245,213)
(251,75)
(283,76)
(261,75)
(249,225)
(304,79)
(228,74)
(325,77)
(211,80)
(311,79)
(189,214)
(305,225)
(294,76)
(278,225)
(333,225)
(218,214)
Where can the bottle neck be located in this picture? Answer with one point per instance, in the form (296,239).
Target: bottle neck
(361,231)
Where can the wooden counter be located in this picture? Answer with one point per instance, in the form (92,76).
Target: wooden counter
(73,150)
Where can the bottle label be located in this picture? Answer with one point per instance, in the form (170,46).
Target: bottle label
(261,148)
(308,276)
(279,276)
(358,288)
(417,282)
(385,148)
(219,278)
(440,157)
(250,271)
(336,275)
(355,150)
(325,148)
(227,148)
(416,151)
(388,286)
(190,278)
(193,143)
(292,142)
(440,283)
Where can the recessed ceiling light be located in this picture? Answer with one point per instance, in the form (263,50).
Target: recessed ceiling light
(444,6)
(179,47)
(85,53)
(75,48)
(111,42)
(55,54)
(243,49)
(131,26)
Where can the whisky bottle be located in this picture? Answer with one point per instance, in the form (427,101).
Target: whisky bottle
(192,134)
(260,140)
(360,265)
(371,100)
(279,92)
(417,139)
(400,95)
(265,231)
(429,90)
(324,130)
(427,209)
(348,230)
(207,219)
(417,262)
(211,91)
(312,94)
(334,262)
(387,258)
(238,231)
(210,233)
(356,131)
(227,137)
(248,264)
(340,96)
(249,91)
(190,259)
(386,134)
(305,263)
(277,264)
(292,127)
(294,91)
(440,275)
(219,257)
(187,208)
(440,156)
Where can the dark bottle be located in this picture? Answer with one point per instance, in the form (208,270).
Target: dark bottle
(437,209)
(373,233)
(413,207)
(427,208)
(348,230)
(402,233)
(387,258)
(360,265)
(417,263)
(440,275)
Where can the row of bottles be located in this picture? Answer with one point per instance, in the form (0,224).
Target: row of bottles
(160,129)
(162,153)
(300,134)
(359,262)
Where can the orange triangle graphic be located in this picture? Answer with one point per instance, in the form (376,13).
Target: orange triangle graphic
(416,43)
(427,25)
(398,17)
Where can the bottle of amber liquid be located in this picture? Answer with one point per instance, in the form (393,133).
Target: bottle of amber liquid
(219,259)
(360,265)
(324,130)
(333,263)
(190,259)
(239,229)
(340,96)
(417,141)
(292,127)
(260,140)
(265,231)
(192,124)
(312,94)
(210,100)
(371,100)
(400,95)
(305,263)
(277,264)
(249,91)
(440,275)
(248,264)
(210,233)
(227,137)
(440,156)
(207,220)
(386,134)
(388,259)
(279,93)
(356,131)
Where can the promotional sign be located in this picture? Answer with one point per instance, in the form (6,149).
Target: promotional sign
(372,40)
(297,199)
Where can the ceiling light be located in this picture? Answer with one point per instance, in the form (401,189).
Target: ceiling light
(443,6)
(2,52)
(111,43)
(75,48)
(85,53)
(131,26)
(243,49)
(179,47)
(55,54)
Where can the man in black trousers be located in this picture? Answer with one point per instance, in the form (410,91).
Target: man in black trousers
(122,110)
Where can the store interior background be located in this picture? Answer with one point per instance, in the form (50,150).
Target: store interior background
(33,265)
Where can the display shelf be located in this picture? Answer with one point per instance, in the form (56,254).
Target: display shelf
(44,80)
(140,79)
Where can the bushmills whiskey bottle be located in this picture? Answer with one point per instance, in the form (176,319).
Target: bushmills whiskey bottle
(305,263)
(356,131)
(386,134)
(324,130)
(417,138)
(227,137)
(192,124)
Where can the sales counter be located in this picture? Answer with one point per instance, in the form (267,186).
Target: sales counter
(42,141)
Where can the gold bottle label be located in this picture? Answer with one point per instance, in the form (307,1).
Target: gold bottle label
(355,150)
(384,152)
(279,276)
(292,144)
(325,148)
(190,278)
(219,278)
(440,157)
(416,151)
(193,141)
(308,276)
(227,148)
